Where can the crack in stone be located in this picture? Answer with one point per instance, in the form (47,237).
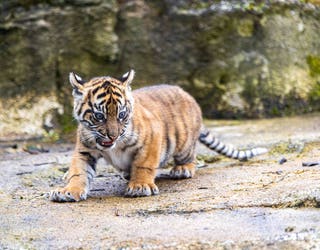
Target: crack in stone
(308,202)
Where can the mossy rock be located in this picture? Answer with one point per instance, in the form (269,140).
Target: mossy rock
(238,59)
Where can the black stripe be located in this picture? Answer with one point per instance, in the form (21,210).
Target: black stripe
(89,173)
(185,128)
(251,153)
(109,101)
(80,108)
(220,150)
(90,104)
(95,90)
(177,136)
(76,92)
(115,87)
(90,159)
(184,159)
(117,94)
(85,112)
(132,127)
(136,152)
(238,154)
(186,156)
(97,107)
(151,138)
(129,145)
(168,146)
(102,102)
(159,99)
(204,135)
(184,123)
(168,142)
(105,84)
(208,143)
(89,100)
(101,95)
(233,152)
(214,148)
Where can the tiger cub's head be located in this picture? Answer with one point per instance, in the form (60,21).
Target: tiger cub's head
(103,107)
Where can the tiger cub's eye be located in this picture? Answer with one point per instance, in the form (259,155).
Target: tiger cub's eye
(122,114)
(99,116)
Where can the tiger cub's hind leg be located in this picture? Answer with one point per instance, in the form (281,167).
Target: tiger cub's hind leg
(183,171)
(184,164)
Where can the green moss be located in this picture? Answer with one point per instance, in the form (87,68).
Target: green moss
(196,5)
(275,111)
(68,124)
(250,91)
(208,158)
(309,147)
(51,137)
(314,97)
(314,2)
(314,69)
(245,28)
(254,6)
(205,91)
(314,65)
(287,148)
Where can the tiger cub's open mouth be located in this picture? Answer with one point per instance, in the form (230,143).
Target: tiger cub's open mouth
(105,143)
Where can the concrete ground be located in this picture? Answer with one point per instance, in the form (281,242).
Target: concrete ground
(269,202)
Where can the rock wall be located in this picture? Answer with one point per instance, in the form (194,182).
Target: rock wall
(237,58)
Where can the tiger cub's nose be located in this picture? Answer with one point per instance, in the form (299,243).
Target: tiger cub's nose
(112,136)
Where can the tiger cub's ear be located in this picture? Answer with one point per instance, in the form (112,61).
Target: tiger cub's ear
(77,84)
(127,78)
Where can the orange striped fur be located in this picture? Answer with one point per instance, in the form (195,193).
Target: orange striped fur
(135,131)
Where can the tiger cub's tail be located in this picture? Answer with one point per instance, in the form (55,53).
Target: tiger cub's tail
(215,144)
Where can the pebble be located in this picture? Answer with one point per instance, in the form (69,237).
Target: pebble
(310,164)
(282,160)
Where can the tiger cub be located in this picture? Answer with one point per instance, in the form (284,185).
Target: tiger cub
(136,132)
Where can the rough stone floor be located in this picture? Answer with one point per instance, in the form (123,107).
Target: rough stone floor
(269,202)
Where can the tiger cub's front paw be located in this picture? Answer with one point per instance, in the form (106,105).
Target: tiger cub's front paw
(68,193)
(136,189)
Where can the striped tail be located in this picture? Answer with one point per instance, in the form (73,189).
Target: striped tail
(213,143)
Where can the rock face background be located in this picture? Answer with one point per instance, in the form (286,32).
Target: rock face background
(237,58)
